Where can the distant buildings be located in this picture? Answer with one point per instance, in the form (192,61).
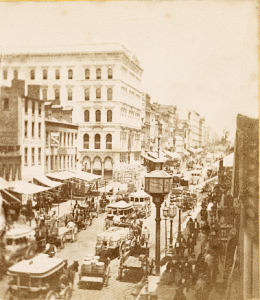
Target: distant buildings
(84,109)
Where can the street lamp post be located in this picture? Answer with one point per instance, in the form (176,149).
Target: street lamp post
(179,204)
(170,212)
(157,184)
(165,214)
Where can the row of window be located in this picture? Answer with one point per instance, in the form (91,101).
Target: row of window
(97,115)
(60,162)
(26,105)
(33,150)
(97,143)
(65,139)
(26,135)
(70,94)
(57,74)
(130,94)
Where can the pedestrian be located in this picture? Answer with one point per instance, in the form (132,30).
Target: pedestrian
(36,217)
(211,266)
(191,243)
(202,288)
(190,225)
(201,264)
(179,295)
(194,269)
(196,227)
(183,244)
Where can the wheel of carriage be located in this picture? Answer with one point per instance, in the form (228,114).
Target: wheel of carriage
(122,248)
(67,293)
(51,295)
(62,242)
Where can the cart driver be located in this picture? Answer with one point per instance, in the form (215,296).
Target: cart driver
(51,249)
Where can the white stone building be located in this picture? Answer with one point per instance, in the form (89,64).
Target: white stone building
(102,85)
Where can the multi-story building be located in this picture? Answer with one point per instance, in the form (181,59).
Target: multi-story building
(21,132)
(60,139)
(101,83)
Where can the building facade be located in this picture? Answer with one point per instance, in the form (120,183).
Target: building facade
(101,83)
(22,132)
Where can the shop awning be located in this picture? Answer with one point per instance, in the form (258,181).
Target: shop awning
(186,152)
(192,150)
(47,182)
(173,155)
(148,157)
(65,175)
(153,154)
(3,183)
(86,176)
(26,188)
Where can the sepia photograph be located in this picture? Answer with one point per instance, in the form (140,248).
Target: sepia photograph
(129,150)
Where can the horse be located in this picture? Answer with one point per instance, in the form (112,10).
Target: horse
(69,274)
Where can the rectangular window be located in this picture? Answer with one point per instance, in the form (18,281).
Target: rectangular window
(47,163)
(47,139)
(56,162)
(60,162)
(39,109)
(68,162)
(33,107)
(52,162)
(72,162)
(39,130)
(39,156)
(33,158)
(5,74)
(32,129)
(26,106)
(64,162)
(26,156)
(26,129)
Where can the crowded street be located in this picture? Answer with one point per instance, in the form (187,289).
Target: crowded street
(129,150)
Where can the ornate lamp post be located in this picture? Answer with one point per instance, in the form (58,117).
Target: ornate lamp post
(157,184)
(165,214)
(179,204)
(170,212)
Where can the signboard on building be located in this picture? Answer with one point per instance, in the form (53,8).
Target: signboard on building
(55,139)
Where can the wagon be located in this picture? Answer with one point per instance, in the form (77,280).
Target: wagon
(37,278)
(97,274)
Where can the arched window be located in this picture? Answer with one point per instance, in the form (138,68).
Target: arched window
(69,94)
(86,116)
(57,94)
(98,93)
(86,141)
(110,73)
(57,74)
(109,116)
(5,74)
(15,74)
(98,116)
(87,74)
(97,141)
(109,94)
(109,141)
(70,74)
(86,94)
(44,94)
(32,74)
(44,74)
(98,73)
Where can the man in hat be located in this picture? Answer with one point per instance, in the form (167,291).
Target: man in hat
(51,248)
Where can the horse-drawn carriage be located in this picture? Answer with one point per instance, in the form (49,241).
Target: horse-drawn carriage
(134,256)
(19,243)
(94,271)
(142,203)
(39,278)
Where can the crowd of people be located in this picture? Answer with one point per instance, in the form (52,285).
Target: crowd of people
(194,265)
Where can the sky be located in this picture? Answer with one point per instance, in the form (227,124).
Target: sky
(201,55)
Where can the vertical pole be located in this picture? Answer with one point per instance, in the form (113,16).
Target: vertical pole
(165,236)
(171,234)
(179,227)
(157,240)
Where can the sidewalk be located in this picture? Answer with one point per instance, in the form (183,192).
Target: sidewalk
(158,290)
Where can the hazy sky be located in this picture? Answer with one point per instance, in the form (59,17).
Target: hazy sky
(197,54)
